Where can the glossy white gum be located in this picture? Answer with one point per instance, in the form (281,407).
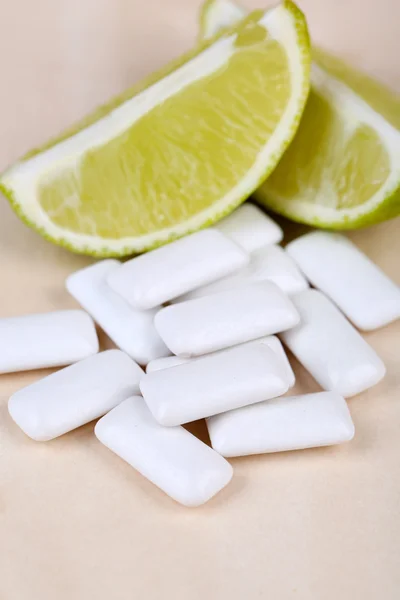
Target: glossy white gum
(250,227)
(271,341)
(75,395)
(173,459)
(43,340)
(289,423)
(159,364)
(214,384)
(225,319)
(348,277)
(270,263)
(330,348)
(176,268)
(131,330)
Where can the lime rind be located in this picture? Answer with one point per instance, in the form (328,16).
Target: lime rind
(217,15)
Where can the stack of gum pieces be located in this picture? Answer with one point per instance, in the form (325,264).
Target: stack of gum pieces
(203,314)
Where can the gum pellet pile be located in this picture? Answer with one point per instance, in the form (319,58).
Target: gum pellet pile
(207,316)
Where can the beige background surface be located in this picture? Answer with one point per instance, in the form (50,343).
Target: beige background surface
(76,522)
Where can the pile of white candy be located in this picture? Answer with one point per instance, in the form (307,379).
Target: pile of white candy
(229,289)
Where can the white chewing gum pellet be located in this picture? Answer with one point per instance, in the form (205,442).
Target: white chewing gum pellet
(214,384)
(165,363)
(51,339)
(330,348)
(276,346)
(225,319)
(131,330)
(289,423)
(271,341)
(174,269)
(339,269)
(173,459)
(250,227)
(75,395)
(270,263)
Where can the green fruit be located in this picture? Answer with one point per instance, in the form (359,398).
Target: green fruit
(177,152)
(342,169)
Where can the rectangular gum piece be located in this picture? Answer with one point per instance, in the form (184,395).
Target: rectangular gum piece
(159,364)
(330,348)
(250,227)
(225,319)
(271,341)
(173,459)
(43,340)
(289,423)
(270,263)
(75,395)
(172,270)
(214,384)
(348,277)
(131,330)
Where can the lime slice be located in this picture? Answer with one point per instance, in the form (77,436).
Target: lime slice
(177,152)
(218,14)
(342,169)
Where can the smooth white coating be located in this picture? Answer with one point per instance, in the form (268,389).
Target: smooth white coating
(75,395)
(339,269)
(271,341)
(250,227)
(276,346)
(214,384)
(42,340)
(270,263)
(225,319)
(131,330)
(166,363)
(289,423)
(330,348)
(170,457)
(176,268)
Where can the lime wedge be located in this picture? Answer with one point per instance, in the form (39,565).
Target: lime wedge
(342,169)
(177,152)
(218,14)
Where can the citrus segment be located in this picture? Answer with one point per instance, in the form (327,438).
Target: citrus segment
(178,152)
(342,169)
